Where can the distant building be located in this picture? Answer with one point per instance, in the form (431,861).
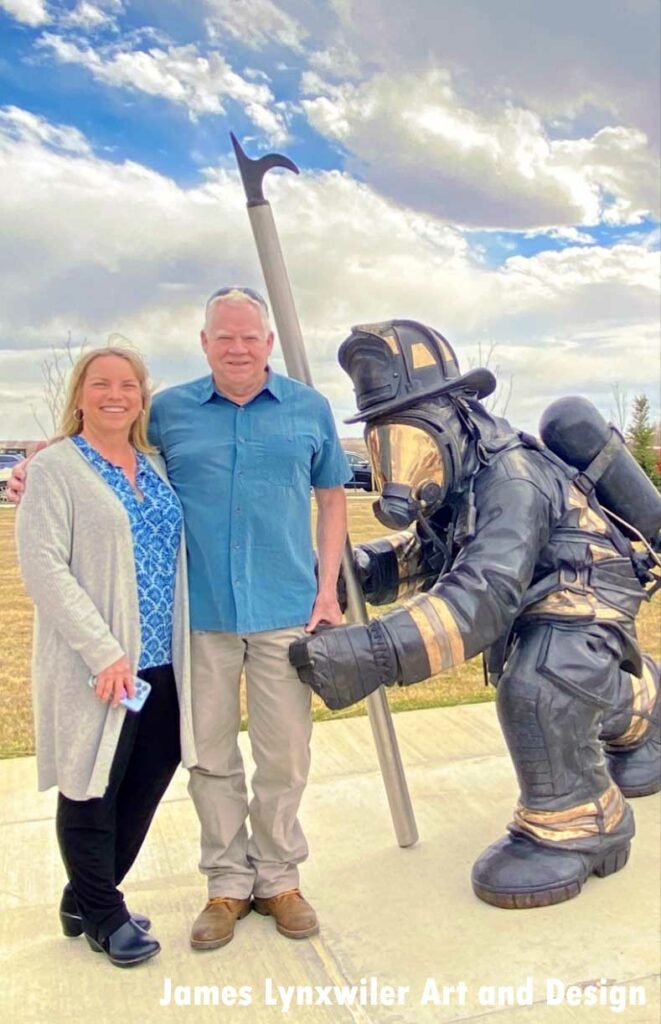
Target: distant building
(355,444)
(21,447)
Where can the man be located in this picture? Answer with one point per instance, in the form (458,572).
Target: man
(243,446)
(509,550)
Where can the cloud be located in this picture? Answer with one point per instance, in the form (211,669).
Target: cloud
(90,16)
(29,12)
(337,62)
(594,362)
(90,246)
(586,63)
(565,236)
(558,274)
(181,74)
(21,124)
(425,101)
(254,23)
(414,139)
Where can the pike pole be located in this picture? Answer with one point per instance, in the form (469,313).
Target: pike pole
(296,361)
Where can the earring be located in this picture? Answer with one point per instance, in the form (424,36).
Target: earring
(78,415)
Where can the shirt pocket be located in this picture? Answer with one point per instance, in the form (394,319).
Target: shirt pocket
(280,459)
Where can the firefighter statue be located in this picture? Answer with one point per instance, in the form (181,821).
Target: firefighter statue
(502,547)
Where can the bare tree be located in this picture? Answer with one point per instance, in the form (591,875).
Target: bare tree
(620,414)
(498,402)
(55,369)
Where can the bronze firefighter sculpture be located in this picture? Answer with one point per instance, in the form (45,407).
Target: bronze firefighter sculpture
(503,548)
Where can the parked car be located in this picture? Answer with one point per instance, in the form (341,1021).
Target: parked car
(362,472)
(7,462)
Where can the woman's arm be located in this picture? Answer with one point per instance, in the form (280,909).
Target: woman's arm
(44,526)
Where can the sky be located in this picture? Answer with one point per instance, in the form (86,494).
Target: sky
(487,167)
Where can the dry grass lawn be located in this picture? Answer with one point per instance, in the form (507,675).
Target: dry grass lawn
(462,685)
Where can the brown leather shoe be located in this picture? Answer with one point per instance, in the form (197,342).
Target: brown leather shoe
(214,927)
(294,917)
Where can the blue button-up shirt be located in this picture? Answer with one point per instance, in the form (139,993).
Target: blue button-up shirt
(155,522)
(243,474)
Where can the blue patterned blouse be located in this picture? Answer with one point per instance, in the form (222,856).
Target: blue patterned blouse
(156,528)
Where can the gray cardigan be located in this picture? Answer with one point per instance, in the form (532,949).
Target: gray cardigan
(75,551)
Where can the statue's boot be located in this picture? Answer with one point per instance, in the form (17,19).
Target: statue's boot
(571,820)
(518,872)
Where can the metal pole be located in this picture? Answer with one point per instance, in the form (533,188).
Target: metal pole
(296,361)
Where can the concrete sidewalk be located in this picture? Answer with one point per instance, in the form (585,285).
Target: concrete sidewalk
(392,917)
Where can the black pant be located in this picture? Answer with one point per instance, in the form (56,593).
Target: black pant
(550,702)
(100,838)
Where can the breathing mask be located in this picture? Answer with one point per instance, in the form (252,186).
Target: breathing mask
(415,465)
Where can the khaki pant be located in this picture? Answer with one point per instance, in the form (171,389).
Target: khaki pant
(279,727)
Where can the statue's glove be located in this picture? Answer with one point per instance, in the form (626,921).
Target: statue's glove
(343,664)
(363,568)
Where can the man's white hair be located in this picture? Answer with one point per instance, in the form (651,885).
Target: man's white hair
(236,296)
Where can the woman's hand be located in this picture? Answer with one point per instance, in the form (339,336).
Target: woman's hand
(115,682)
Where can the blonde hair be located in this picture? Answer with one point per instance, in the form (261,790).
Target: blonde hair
(70,425)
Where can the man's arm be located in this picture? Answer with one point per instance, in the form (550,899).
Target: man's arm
(331,538)
(16,482)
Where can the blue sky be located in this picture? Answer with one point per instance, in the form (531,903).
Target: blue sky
(488,168)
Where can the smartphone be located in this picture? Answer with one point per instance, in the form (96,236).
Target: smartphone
(142,691)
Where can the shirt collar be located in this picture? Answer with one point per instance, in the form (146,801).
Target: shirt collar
(272,385)
(89,449)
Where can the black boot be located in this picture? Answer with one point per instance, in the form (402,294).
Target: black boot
(637,772)
(516,872)
(127,946)
(71,921)
(571,820)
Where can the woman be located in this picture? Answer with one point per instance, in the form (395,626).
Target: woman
(99,534)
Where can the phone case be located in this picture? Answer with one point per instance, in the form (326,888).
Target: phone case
(142,691)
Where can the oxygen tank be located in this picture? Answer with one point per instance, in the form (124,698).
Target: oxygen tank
(574,429)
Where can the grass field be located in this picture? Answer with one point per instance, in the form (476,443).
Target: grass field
(463,685)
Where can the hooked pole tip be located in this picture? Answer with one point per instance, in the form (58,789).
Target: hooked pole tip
(252,171)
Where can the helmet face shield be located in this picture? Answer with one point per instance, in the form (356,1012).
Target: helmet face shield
(409,472)
(402,453)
